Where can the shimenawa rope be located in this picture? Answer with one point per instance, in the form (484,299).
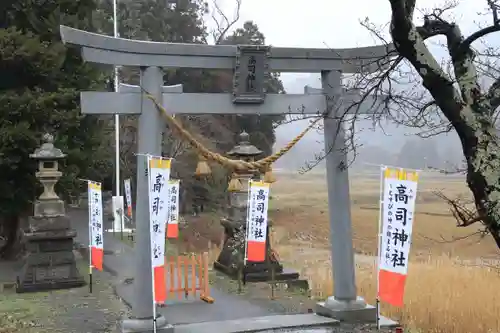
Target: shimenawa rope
(240,165)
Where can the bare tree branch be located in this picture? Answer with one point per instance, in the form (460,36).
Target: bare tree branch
(222,21)
(465,45)
(481,233)
(453,99)
(409,42)
(464,215)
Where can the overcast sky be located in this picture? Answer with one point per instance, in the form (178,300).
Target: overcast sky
(332,23)
(336,24)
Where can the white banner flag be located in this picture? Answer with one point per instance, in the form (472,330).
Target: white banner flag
(258,198)
(398,206)
(128,196)
(159,174)
(96,240)
(173,218)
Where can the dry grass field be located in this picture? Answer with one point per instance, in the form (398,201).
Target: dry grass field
(453,279)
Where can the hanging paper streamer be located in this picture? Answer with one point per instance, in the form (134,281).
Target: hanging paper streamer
(173,220)
(257,221)
(95,224)
(398,205)
(159,174)
(128,196)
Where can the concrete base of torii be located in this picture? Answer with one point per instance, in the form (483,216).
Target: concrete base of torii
(351,311)
(146,325)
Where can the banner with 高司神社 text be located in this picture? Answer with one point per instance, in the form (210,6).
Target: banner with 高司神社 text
(173,216)
(258,203)
(128,196)
(399,192)
(159,174)
(95,225)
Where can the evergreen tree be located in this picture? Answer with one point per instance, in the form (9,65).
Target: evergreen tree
(184,23)
(39,92)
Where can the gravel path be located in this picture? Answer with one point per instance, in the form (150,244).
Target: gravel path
(73,310)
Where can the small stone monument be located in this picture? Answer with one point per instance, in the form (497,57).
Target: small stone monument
(50,262)
(231,258)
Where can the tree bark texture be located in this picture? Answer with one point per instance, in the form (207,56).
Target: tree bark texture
(469,110)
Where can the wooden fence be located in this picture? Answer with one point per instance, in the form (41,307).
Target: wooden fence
(188,275)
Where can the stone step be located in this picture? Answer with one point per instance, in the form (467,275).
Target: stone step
(256,324)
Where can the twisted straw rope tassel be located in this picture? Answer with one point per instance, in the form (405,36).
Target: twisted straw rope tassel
(227,162)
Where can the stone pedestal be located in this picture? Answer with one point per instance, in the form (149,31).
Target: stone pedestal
(50,262)
(230,260)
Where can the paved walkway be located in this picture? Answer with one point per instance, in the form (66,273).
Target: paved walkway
(117,260)
(118,257)
(229,313)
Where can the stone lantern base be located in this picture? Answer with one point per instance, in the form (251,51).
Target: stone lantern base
(50,263)
(230,260)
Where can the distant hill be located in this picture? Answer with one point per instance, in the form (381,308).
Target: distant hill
(377,146)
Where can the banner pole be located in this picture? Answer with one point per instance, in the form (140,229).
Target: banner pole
(379,241)
(90,279)
(247,220)
(247,230)
(148,168)
(154,303)
(89,204)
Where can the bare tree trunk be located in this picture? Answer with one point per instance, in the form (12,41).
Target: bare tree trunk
(468,108)
(483,178)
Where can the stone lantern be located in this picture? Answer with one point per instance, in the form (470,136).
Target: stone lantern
(50,262)
(231,258)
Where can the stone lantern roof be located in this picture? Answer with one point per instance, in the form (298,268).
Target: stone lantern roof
(47,151)
(244,148)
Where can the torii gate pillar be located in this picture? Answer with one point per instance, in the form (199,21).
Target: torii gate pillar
(342,305)
(149,122)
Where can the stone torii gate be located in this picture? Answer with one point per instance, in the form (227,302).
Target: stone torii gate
(251,65)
